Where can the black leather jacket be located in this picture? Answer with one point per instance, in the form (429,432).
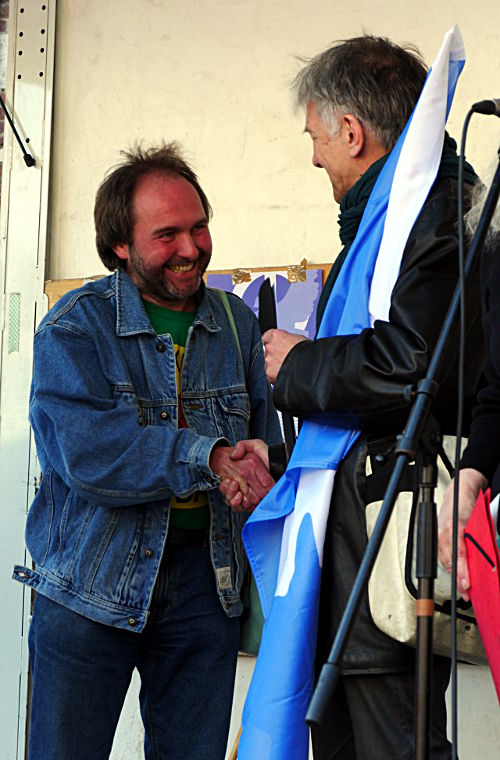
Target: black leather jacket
(360,382)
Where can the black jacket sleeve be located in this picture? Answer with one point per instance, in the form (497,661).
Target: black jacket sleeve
(483,449)
(360,380)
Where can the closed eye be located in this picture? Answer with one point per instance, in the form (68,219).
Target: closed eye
(201,227)
(167,234)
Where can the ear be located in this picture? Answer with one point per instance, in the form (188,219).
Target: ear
(122,251)
(354,134)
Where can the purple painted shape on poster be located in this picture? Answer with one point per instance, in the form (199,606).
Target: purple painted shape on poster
(296,302)
(221,281)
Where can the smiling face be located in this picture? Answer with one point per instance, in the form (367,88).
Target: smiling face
(333,153)
(171,245)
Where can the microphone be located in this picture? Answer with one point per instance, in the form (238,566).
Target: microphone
(491,106)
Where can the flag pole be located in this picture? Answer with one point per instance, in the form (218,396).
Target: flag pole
(234,751)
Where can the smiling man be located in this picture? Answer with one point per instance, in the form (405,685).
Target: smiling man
(171,246)
(142,386)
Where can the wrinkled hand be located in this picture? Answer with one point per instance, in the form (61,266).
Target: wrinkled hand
(277,345)
(244,474)
(252,446)
(470,483)
(231,490)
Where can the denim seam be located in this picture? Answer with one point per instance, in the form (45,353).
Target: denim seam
(94,568)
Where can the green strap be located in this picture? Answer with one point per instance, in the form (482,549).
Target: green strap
(253,618)
(225,302)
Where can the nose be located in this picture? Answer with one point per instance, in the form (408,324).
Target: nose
(187,248)
(315,161)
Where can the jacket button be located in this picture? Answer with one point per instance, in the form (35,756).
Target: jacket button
(132,621)
(160,347)
(164,415)
(148,553)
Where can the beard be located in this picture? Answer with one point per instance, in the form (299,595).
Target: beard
(153,281)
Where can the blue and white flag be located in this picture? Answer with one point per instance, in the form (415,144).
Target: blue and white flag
(284,536)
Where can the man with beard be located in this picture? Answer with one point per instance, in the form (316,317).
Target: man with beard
(142,386)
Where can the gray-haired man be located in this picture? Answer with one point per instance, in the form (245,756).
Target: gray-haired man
(358,96)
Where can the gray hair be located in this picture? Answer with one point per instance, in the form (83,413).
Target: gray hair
(370,77)
(472,217)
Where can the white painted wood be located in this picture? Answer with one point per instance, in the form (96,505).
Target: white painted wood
(129,737)
(22,268)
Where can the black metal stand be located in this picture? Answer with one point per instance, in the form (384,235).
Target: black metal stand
(426,574)
(406,452)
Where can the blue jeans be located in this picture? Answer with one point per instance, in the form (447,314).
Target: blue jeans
(186,657)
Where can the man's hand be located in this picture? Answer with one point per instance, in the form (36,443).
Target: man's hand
(277,344)
(230,489)
(470,483)
(252,446)
(245,478)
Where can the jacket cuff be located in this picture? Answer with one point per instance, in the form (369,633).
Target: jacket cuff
(200,458)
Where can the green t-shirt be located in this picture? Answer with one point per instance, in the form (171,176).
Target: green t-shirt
(190,511)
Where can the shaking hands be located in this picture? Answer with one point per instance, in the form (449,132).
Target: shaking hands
(244,472)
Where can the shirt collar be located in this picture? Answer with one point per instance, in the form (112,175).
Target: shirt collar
(131,317)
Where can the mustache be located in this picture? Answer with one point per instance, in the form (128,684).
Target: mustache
(202,258)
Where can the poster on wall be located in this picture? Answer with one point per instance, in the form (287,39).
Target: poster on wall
(296,292)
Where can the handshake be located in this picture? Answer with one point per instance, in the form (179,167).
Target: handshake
(244,473)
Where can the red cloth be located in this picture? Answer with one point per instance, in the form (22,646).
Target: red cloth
(484,569)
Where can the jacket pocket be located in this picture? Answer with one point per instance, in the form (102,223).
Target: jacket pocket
(233,412)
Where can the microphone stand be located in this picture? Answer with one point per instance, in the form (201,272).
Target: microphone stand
(267,321)
(418,426)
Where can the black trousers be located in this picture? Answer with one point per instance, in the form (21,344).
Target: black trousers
(372,718)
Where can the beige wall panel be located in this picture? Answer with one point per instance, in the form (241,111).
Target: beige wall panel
(214,76)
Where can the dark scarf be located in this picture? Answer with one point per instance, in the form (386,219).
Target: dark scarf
(352,207)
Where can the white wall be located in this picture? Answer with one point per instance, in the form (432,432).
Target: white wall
(214,75)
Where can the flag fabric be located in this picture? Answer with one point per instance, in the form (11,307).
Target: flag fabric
(483,559)
(284,536)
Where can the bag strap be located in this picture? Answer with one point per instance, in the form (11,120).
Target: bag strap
(251,628)
(225,302)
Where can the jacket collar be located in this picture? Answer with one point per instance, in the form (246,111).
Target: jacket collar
(131,317)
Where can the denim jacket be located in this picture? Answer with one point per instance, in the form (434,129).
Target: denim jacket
(104,414)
